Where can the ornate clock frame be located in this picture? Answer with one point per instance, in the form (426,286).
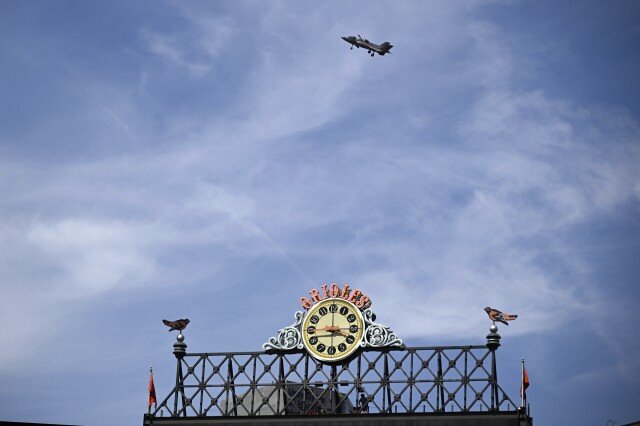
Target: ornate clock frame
(374,335)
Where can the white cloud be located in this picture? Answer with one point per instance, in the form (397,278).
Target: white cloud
(194,47)
(93,257)
(169,48)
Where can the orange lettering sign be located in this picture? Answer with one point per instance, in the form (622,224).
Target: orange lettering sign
(333,291)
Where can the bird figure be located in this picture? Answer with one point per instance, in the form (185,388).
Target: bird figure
(179,325)
(496,315)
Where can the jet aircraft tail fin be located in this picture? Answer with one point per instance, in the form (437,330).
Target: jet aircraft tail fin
(386,46)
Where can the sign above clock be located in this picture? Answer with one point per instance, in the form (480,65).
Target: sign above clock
(355,296)
(335,324)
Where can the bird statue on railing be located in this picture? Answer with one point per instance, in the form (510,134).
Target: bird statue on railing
(496,315)
(179,325)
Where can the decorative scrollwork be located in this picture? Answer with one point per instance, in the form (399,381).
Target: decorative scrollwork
(378,335)
(288,338)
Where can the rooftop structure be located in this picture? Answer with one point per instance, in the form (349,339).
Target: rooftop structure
(381,380)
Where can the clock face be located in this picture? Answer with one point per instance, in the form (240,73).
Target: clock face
(332,329)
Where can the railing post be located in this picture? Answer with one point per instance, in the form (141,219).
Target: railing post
(333,387)
(466,378)
(280,386)
(386,393)
(411,382)
(305,384)
(440,387)
(231,387)
(253,383)
(359,388)
(202,386)
(179,350)
(493,342)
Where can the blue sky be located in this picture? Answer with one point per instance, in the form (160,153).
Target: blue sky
(218,160)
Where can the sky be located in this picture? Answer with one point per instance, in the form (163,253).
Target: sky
(217,160)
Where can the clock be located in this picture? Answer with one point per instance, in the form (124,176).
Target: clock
(332,329)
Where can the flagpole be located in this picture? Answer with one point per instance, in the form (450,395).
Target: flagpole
(149,405)
(522,385)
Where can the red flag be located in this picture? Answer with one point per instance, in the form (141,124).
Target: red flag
(525,383)
(152,390)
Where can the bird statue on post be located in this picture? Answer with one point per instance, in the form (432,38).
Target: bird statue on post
(179,325)
(496,315)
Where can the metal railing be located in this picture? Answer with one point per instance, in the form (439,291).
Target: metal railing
(403,380)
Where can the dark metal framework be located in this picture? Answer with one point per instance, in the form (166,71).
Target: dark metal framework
(403,380)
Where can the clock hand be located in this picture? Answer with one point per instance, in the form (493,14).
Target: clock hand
(333,314)
(334,329)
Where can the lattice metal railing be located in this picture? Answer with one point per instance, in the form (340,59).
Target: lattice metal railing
(407,380)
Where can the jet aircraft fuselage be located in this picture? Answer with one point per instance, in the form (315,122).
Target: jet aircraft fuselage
(372,48)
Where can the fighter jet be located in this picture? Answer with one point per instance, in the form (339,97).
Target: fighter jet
(372,48)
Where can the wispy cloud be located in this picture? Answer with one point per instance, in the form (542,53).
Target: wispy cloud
(453,224)
(169,49)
